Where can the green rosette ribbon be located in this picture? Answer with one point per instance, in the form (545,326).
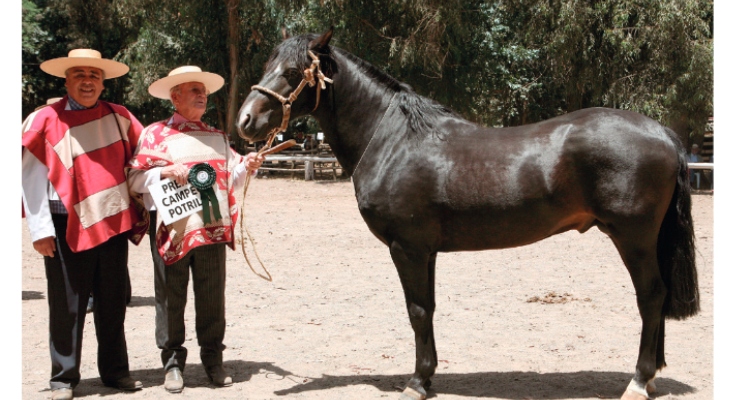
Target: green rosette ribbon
(202,177)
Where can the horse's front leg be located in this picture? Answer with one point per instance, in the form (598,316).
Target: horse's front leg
(416,270)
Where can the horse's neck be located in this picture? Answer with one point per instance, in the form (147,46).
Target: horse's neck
(359,104)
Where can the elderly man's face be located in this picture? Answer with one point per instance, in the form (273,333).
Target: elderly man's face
(190,100)
(84,84)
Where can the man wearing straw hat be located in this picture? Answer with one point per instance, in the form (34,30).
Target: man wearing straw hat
(80,215)
(53,100)
(186,150)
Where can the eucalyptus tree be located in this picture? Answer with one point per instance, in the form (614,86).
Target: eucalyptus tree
(438,47)
(34,89)
(650,56)
(520,61)
(229,37)
(50,28)
(497,63)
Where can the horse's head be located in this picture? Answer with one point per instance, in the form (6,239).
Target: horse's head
(294,77)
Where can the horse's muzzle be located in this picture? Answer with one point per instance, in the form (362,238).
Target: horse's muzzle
(252,120)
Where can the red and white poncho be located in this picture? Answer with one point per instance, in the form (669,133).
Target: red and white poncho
(86,152)
(170,142)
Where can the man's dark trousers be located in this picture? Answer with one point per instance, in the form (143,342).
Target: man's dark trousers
(71,277)
(208,266)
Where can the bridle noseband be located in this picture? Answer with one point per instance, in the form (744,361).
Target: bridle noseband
(312,76)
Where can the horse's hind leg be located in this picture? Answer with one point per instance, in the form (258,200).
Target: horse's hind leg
(638,251)
(416,270)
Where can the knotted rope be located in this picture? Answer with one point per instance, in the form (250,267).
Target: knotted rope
(312,76)
(243,228)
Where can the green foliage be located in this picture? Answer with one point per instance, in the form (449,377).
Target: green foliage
(32,32)
(55,27)
(496,63)
(643,55)
(176,33)
(36,86)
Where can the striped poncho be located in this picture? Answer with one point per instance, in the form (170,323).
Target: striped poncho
(86,152)
(190,143)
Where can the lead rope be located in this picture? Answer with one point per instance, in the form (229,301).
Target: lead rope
(243,229)
(312,76)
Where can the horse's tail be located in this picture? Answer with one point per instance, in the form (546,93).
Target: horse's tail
(676,247)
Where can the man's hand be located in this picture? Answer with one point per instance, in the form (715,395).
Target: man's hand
(45,246)
(177,171)
(253,161)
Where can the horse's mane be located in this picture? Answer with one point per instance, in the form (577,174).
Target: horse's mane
(294,51)
(422,113)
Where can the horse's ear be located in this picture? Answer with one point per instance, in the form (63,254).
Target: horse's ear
(284,33)
(321,42)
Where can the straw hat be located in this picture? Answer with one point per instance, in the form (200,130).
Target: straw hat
(84,58)
(187,73)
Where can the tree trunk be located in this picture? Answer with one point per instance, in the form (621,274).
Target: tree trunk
(233,40)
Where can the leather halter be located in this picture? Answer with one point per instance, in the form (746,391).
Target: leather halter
(312,76)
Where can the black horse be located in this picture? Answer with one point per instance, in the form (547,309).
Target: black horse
(428,181)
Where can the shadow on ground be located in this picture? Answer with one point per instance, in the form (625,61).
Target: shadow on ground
(135,301)
(194,376)
(503,385)
(140,301)
(488,385)
(31,295)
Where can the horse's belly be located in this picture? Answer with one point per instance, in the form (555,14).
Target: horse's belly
(488,230)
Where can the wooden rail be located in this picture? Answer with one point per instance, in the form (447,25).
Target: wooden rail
(701,165)
(311,164)
(698,166)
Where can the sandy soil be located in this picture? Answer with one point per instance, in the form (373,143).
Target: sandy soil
(553,320)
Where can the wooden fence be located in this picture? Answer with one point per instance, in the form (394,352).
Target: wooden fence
(308,164)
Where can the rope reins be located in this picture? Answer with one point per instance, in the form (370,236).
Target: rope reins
(243,228)
(312,76)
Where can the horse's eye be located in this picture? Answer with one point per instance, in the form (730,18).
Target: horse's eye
(291,74)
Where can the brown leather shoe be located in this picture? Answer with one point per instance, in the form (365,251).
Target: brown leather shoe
(62,394)
(218,376)
(173,382)
(125,383)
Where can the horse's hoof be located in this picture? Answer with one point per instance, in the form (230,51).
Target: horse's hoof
(411,394)
(637,392)
(631,395)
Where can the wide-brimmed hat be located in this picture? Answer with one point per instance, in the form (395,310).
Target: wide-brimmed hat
(187,73)
(84,58)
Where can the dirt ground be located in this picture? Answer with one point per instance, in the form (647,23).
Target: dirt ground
(553,320)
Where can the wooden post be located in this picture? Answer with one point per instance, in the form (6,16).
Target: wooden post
(309,171)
